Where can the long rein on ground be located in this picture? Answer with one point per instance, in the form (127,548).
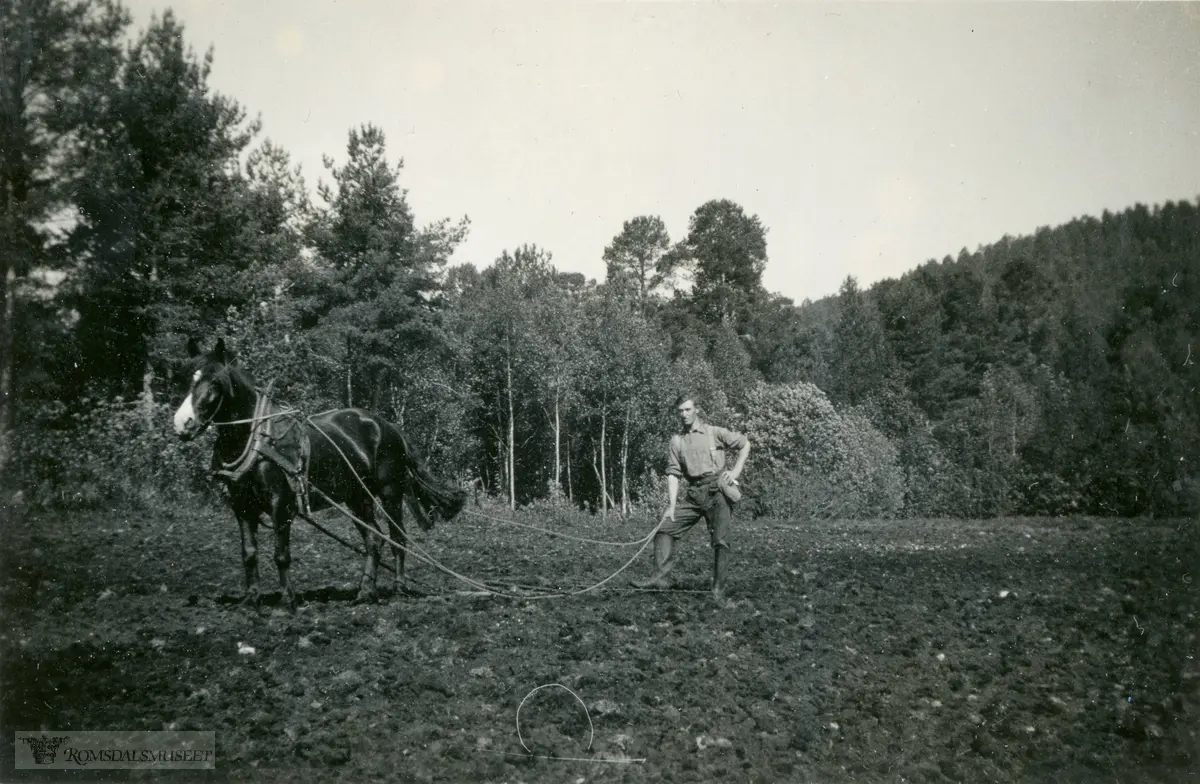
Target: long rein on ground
(257,448)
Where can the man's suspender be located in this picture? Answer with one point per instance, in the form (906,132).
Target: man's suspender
(712,451)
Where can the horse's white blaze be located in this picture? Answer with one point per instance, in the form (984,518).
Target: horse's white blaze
(185,414)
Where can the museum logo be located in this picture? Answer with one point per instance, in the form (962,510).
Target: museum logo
(116,750)
(44,748)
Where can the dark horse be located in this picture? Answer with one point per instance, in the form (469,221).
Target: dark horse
(278,462)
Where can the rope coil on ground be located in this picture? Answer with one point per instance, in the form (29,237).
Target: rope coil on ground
(586,712)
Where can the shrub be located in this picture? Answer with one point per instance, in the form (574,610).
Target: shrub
(936,486)
(107,450)
(1048,493)
(554,511)
(811,461)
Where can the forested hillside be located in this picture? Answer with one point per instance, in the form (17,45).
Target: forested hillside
(1056,372)
(1051,374)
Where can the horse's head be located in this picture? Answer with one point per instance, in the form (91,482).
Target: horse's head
(212,392)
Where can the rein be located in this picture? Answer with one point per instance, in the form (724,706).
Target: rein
(257,448)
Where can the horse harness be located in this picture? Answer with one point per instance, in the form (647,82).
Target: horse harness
(280,438)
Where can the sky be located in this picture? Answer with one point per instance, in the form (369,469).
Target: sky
(867,137)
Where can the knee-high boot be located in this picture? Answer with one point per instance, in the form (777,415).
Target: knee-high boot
(720,562)
(663,545)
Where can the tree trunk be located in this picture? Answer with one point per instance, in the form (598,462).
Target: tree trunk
(501,446)
(570,488)
(512,449)
(16,41)
(625,461)
(599,476)
(603,469)
(557,446)
(148,396)
(643,271)
(349,384)
(7,365)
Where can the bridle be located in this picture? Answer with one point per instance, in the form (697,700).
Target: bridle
(223,381)
(229,382)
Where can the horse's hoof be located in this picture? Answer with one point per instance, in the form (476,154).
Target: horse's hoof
(251,601)
(365,597)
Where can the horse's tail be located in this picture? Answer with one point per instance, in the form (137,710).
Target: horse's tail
(429,498)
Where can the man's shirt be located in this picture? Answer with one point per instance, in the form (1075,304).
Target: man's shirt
(694,454)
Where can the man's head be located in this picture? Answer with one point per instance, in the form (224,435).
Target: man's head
(685,406)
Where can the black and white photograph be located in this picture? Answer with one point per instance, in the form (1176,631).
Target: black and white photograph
(599,391)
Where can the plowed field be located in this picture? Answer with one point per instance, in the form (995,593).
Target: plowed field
(965,651)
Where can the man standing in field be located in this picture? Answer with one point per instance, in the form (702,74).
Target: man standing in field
(697,453)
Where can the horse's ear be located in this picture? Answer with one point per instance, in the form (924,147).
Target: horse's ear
(219,353)
(193,348)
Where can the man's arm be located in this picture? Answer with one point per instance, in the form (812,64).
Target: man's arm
(736,471)
(673,472)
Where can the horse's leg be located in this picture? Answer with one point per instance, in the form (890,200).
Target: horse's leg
(393,504)
(248,526)
(365,511)
(283,509)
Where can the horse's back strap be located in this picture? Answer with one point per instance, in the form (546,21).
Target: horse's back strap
(296,470)
(288,466)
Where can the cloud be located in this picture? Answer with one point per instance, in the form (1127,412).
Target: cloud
(427,76)
(897,200)
(289,41)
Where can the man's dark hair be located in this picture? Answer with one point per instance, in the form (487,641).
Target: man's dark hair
(686,396)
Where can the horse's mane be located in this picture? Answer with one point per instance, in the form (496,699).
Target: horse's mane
(236,381)
(240,377)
